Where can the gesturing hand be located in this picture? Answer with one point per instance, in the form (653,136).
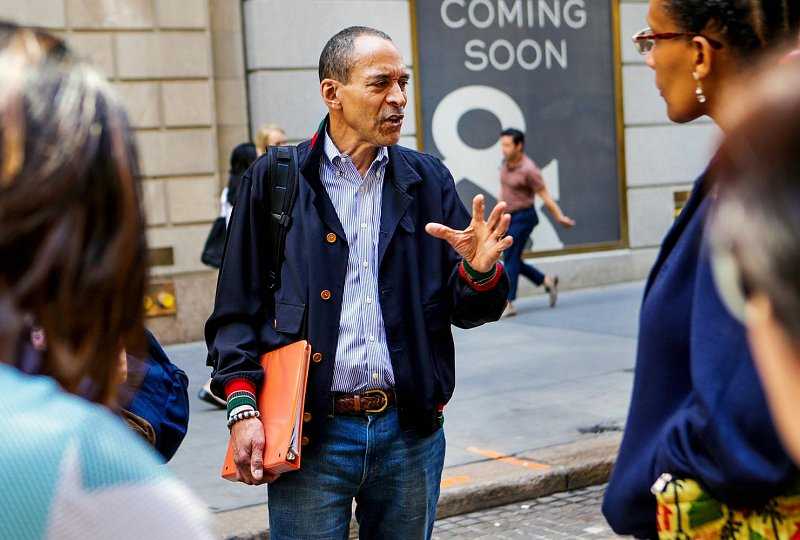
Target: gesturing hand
(482,243)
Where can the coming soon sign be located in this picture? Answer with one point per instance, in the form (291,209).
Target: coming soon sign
(546,67)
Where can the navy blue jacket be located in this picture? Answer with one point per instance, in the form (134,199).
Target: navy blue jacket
(698,410)
(421,292)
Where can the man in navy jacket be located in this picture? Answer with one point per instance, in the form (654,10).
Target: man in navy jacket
(369,282)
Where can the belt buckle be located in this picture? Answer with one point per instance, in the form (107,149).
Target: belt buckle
(378,392)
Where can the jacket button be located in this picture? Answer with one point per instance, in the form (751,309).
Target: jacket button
(330,238)
(325,295)
(317,357)
(305,441)
(307,417)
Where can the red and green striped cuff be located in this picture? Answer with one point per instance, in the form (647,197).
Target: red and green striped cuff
(241,395)
(480,281)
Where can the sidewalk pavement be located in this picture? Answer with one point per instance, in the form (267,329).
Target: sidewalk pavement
(569,515)
(564,376)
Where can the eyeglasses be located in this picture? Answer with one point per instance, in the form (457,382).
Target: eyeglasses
(645,40)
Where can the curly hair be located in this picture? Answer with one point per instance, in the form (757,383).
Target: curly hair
(748,27)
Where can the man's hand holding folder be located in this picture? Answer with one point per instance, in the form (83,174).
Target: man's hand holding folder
(247,437)
(261,449)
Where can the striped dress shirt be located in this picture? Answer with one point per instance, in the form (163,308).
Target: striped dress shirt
(362,356)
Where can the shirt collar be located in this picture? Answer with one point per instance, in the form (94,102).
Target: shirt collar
(333,154)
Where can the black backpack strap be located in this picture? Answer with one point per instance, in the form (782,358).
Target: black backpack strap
(283,177)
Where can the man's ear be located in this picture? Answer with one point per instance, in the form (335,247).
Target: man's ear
(702,57)
(329,90)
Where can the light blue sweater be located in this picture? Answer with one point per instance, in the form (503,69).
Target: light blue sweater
(70,469)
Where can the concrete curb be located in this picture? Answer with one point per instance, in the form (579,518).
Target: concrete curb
(494,482)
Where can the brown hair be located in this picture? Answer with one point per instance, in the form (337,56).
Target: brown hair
(757,170)
(72,245)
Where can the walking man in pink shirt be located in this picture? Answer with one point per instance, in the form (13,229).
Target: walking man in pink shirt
(520,182)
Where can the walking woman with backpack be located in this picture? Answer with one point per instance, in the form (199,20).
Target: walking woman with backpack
(700,456)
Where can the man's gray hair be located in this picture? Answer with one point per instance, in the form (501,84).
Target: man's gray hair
(336,60)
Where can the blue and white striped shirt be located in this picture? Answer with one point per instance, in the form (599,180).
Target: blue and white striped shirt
(362,356)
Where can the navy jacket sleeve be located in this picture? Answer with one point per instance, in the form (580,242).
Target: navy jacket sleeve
(239,329)
(723,436)
(470,308)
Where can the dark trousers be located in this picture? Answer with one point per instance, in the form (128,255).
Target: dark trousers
(522,224)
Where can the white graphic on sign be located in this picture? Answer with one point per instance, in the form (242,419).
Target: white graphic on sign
(480,165)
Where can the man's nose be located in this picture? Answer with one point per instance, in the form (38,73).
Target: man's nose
(397,97)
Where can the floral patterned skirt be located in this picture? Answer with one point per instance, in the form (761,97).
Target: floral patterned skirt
(687,512)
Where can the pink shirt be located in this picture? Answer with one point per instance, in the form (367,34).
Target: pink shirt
(519,185)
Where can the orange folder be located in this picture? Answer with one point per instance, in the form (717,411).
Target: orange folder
(281,402)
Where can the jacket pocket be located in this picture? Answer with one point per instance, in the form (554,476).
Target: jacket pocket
(440,343)
(289,317)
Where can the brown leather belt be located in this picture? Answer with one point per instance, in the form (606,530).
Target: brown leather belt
(370,402)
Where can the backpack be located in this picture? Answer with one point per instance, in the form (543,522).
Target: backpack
(159,405)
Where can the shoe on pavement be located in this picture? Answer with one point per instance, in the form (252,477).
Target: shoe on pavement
(205,395)
(552,290)
(510,311)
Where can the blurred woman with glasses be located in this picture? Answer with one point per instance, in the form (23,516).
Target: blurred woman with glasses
(699,441)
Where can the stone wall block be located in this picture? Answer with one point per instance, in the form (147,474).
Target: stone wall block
(176,152)
(163,55)
(182,14)
(44,13)
(193,200)
(154,202)
(187,103)
(141,100)
(93,14)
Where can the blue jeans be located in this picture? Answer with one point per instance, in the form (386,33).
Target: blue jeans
(393,475)
(522,224)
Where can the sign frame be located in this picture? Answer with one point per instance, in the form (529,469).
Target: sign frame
(622,182)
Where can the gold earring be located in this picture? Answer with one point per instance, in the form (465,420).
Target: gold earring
(698,93)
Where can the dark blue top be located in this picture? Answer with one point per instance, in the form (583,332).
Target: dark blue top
(698,410)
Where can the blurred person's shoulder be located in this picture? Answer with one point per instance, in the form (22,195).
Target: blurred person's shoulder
(72,467)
